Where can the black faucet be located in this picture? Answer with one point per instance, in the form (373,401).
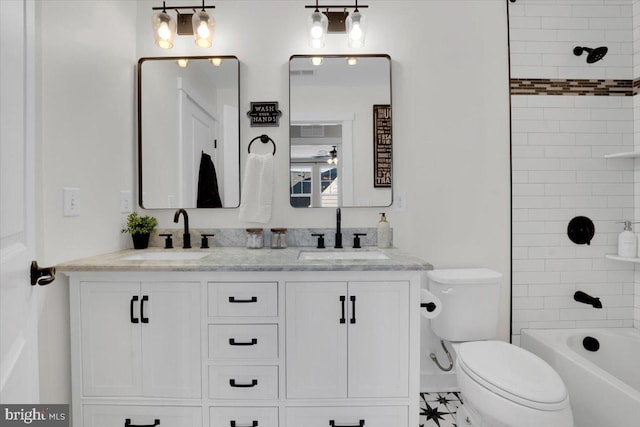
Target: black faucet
(587,299)
(186,236)
(338,244)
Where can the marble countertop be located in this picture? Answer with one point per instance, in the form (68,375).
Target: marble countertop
(242,259)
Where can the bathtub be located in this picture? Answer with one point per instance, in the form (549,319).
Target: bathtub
(603,385)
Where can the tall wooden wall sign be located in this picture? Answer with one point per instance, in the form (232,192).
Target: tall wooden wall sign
(382,146)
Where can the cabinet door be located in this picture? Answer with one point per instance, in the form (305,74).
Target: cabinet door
(170,316)
(316,339)
(110,340)
(379,339)
(140,416)
(351,416)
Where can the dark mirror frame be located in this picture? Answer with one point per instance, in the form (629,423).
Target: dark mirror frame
(390,124)
(139,121)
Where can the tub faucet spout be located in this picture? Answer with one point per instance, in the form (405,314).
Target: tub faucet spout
(587,299)
(186,236)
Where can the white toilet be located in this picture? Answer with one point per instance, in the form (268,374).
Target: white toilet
(502,385)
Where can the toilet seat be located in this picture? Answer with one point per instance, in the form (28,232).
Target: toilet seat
(513,373)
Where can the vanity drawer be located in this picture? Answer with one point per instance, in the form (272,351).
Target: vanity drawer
(366,416)
(243,417)
(243,341)
(231,299)
(243,382)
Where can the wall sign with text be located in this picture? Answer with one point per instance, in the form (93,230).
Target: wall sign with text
(264,114)
(382,146)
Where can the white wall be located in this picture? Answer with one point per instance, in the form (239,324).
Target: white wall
(558,167)
(86,140)
(450,129)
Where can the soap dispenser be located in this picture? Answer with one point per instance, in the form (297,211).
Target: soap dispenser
(627,242)
(384,232)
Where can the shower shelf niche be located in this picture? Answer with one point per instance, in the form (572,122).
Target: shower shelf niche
(620,258)
(625,155)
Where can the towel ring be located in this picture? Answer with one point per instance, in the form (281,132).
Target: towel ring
(264,139)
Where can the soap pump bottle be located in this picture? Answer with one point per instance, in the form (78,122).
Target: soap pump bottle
(384,232)
(627,242)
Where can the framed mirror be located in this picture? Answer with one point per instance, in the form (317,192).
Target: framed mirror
(340,131)
(189,132)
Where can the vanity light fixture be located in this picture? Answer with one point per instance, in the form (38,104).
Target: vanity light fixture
(321,23)
(183,62)
(352,60)
(199,24)
(216,62)
(316,60)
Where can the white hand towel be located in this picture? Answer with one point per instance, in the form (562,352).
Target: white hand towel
(257,189)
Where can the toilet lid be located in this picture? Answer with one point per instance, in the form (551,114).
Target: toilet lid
(512,373)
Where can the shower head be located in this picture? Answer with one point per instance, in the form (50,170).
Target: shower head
(594,55)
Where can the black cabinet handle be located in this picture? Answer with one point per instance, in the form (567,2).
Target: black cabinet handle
(142,318)
(236,301)
(430,306)
(131,304)
(342,300)
(352,298)
(232,341)
(332,423)
(127,423)
(232,383)
(254,423)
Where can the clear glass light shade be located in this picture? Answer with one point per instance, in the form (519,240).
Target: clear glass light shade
(317,27)
(203,27)
(356,29)
(164,29)
(182,63)
(216,62)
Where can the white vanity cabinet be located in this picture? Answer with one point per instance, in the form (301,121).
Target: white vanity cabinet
(140,339)
(347,339)
(288,347)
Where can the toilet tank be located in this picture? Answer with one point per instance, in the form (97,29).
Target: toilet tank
(470,299)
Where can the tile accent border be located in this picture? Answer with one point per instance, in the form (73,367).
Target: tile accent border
(579,87)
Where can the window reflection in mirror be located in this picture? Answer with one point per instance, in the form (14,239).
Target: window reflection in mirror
(332,130)
(189,132)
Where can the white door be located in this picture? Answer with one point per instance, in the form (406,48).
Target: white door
(379,339)
(171,339)
(316,340)
(18,300)
(198,132)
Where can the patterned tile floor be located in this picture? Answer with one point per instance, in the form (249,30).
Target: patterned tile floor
(439,409)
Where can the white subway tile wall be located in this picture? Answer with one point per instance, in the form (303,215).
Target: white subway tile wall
(559,172)
(559,169)
(543,34)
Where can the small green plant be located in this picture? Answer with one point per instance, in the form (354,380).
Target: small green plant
(137,224)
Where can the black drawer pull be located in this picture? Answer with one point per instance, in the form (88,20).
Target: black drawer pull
(142,318)
(232,383)
(254,423)
(232,341)
(353,308)
(342,300)
(332,423)
(236,301)
(127,423)
(131,303)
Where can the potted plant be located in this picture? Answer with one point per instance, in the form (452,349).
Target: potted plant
(140,228)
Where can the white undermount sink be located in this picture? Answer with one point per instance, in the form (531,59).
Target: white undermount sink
(341,255)
(166,256)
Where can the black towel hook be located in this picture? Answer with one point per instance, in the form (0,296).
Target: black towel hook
(264,139)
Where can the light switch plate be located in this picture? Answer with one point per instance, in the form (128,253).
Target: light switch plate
(126,202)
(71,201)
